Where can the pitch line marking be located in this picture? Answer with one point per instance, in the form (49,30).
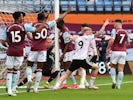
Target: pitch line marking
(128,82)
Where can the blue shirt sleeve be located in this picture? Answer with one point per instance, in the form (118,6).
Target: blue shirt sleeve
(66,37)
(113,34)
(29,28)
(3,35)
(51,23)
(128,38)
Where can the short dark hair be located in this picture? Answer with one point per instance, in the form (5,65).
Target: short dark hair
(118,21)
(61,21)
(41,16)
(17,14)
(85,25)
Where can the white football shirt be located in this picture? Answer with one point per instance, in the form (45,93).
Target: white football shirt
(81,47)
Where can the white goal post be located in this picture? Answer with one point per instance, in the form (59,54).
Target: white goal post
(7,7)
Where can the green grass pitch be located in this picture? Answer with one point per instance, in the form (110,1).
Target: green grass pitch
(104,93)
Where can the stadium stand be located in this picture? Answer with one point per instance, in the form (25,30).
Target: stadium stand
(64,4)
(108,6)
(73,4)
(117,6)
(91,7)
(126,6)
(100,6)
(79,6)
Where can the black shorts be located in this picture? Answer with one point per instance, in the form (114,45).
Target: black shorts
(47,68)
(102,58)
(46,71)
(79,63)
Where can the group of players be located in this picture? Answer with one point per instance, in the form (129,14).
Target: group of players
(77,52)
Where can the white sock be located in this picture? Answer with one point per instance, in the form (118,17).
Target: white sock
(29,73)
(113,74)
(65,81)
(9,81)
(18,75)
(14,79)
(120,78)
(38,78)
(92,79)
(72,78)
(57,84)
(83,77)
(86,83)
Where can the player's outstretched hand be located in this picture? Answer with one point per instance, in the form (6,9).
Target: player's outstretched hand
(106,22)
(69,10)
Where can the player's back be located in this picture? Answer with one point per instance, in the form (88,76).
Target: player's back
(16,39)
(39,39)
(120,40)
(62,43)
(102,47)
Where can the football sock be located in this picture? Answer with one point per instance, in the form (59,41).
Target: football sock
(38,78)
(9,80)
(23,82)
(113,74)
(29,73)
(92,79)
(65,81)
(53,76)
(83,77)
(120,78)
(14,79)
(72,78)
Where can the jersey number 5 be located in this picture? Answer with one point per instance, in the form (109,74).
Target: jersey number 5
(41,35)
(15,36)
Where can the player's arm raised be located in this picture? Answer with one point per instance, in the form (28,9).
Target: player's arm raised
(53,22)
(31,29)
(102,28)
(64,14)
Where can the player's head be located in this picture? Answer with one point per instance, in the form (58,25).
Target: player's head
(103,38)
(18,16)
(49,42)
(118,23)
(41,16)
(84,26)
(87,30)
(60,24)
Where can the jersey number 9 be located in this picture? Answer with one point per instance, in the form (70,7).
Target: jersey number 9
(80,43)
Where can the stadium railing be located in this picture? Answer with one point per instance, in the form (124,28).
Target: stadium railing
(79,6)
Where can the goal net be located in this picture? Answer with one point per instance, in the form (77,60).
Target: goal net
(31,8)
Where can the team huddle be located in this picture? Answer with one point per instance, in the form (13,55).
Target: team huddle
(77,52)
